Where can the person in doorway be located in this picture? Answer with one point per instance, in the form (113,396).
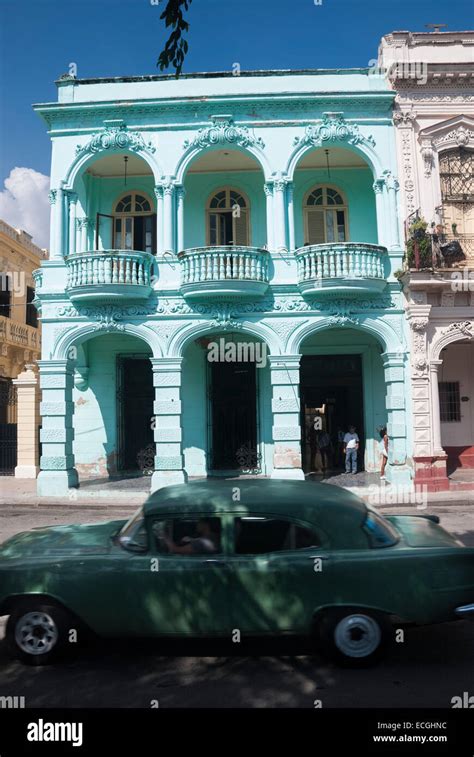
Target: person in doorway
(384,451)
(323,441)
(351,446)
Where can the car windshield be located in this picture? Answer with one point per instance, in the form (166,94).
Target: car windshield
(380,531)
(133,535)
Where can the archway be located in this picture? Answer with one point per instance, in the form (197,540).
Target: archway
(224,202)
(341,384)
(226,400)
(112,204)
(113,407)
(334,199)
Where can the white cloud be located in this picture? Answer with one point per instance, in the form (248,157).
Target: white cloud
(24,203)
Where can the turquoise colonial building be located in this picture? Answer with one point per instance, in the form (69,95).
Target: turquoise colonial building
(233,216)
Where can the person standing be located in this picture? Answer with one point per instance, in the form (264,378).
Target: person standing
(351,446)
(384,451)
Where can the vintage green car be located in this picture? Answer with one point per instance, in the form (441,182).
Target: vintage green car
(236,558)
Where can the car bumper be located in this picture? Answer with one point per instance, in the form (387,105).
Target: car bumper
(465,611)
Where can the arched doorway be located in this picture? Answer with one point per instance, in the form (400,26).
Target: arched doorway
(456,406)
(113,407)
(341,384)
(226,401)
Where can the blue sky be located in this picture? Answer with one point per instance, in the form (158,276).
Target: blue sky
(40,38)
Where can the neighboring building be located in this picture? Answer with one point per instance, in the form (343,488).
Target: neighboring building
(20,342)
(261,209)
(433,74)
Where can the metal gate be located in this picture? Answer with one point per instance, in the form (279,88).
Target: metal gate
(8,427)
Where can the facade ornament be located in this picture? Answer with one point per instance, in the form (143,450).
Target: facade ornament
(464,327)
(52,194)
(460,137)
(388,180)
(158,190)
(268,188)
(223,131)
(333,128)
(419,362)
(427,154)
(343,320)
(115,136)
(404,118)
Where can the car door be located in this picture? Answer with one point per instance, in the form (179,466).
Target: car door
(278,570)
(180,593)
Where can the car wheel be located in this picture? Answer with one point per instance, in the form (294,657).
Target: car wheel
(354,637)
(37,633)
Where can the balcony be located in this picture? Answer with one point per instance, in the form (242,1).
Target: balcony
(240,272)
(19,334)
(344,268)
(109,275)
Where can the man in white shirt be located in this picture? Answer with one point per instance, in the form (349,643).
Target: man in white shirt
(351,445)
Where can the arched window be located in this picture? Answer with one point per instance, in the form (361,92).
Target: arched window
(228,218)
(325,216)
(134,223)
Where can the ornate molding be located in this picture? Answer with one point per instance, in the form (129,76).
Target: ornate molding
(223,131)
(106,313)
(404,119)
(465,327)
(388,180)
(333,128)
(460,137)
(52,194)
(115,136)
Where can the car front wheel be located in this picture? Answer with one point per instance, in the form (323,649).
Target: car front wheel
(354,637)
(37,633)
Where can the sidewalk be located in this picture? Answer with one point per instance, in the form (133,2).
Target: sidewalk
(129,493)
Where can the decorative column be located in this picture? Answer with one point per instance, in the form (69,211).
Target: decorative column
(395,403)
(435,409)
(404,120)
(268,189)
(391,188)
(169,462)
(168,224)
(52,196)
(286,430)
(180,194)
(291,216)
(72,206)
(381,212)
(279,186)
(27,424)
(57,473)
(84,224)
(159,220)
(59,231)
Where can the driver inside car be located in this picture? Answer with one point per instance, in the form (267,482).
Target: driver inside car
(206,541)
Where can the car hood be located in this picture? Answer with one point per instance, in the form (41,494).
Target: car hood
(88,538)
(420,531)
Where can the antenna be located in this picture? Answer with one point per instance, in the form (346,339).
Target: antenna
(436,27)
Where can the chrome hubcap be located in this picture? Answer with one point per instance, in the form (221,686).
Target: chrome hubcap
(357,635)
(36,633)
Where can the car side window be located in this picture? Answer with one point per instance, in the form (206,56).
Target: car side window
(255,535)
(187,535)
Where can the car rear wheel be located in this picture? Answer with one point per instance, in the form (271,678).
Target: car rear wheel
(354,637)
(37,633)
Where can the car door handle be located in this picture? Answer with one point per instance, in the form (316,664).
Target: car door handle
(216,562)
(318,557)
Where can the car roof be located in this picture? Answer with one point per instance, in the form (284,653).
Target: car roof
(308,500)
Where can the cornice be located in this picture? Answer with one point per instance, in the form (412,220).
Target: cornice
(160,110)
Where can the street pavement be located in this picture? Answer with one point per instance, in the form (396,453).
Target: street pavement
(428,669)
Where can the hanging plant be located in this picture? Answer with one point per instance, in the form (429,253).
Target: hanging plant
(422,239)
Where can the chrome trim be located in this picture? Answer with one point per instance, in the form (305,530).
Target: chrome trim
(464,610)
